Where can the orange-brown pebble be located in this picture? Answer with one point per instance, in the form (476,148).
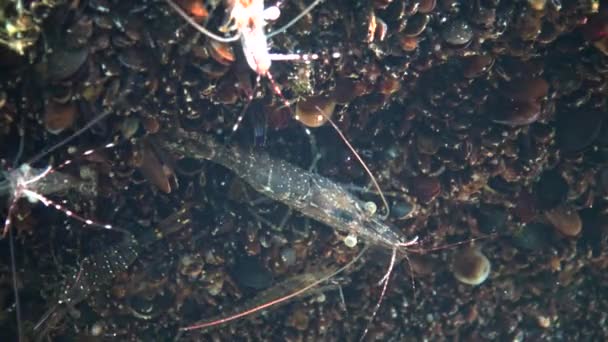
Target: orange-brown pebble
(566,220)
(154,171)
(389,85)
(474,66)
(221,52)
(196,8)
(530,89)
(119,291)
(408,44)
(58,116)
(472,313)
(426,6)
(426,189)
(555,263)
(314,111)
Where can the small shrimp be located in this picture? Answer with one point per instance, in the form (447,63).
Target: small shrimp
(28,179)
(280,293)
(34,184)
(101,268)
(249,18)
(311,194)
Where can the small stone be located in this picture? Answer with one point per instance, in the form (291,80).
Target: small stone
(299,320)
(566,220)
(59,116)
(315,111)
(543,321)
(471,267)
(457,32)
(426,189)
(97,329)
(555,264)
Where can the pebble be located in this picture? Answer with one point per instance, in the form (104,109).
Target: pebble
(471,267)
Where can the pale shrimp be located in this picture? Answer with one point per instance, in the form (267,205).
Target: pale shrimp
(311,194)
(101,268)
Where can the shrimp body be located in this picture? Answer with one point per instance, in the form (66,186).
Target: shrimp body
(311,194)
(255,47)
(249,21)
(96,270)
(43,181)
(101,268)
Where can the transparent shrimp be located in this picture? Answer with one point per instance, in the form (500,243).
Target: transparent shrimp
(311,194)
(280,293)
(100,269)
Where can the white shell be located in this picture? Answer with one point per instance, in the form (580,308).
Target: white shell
(350,241)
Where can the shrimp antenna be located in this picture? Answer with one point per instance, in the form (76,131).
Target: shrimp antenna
(358,157)
(455,244)
(11,244)
(384,282)
(74,135)
(11,238)
(200,28)
(275,301)
(294,20)
(21,131)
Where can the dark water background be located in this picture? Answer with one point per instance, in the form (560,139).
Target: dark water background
(480,119)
